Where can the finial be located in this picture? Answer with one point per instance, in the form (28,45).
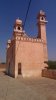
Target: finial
(18,17)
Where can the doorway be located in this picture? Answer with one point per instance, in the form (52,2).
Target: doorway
(19,68)
(9,69)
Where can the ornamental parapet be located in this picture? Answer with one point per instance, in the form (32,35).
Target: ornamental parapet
(28,39)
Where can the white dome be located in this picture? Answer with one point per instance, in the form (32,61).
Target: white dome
(42,12)
(18,21)
(9,41)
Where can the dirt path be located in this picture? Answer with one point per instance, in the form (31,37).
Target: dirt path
(27,88)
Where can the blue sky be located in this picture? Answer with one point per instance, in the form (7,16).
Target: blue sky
(10,10)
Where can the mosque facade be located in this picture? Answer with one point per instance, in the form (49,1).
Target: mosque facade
(25,55)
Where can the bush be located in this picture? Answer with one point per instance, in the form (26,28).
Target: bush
(51,64)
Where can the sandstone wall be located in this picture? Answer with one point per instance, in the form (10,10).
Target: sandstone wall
(31,56)
(10,59)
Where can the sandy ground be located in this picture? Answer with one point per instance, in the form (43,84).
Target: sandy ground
(27,88)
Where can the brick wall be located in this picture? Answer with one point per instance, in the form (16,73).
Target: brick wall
(49,73)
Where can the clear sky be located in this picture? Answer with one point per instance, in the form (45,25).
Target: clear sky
(10,10)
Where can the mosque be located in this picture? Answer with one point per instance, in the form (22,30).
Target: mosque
(25,55)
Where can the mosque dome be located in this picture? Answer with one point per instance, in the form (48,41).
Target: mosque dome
(42,12)
(9,41)
(18,21)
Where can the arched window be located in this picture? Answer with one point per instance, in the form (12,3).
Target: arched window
(18,28)
(42,18)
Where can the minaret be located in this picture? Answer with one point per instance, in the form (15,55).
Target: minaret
(42,31)
(18,28)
